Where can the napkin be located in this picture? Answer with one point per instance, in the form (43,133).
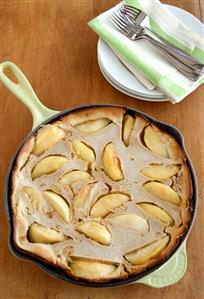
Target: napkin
(164,23)
(145,58)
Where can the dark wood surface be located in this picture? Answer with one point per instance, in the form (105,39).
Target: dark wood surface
(40,37)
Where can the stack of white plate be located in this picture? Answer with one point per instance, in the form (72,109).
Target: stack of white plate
(122,79)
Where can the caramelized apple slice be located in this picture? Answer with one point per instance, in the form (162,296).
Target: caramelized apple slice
(108,203)
(157,212)
(81,197)
(128,124)
(83,151)
(74,176)
(46,138)
(111,163)
(34,197)
(154,142)
(91,270)
(163,191)
(160,171)
(39,233)
(142,255)
(133,221)
(48,165)
(59,204)
(95,231)
(92,126)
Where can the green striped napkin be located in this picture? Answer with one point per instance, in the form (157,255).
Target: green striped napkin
(170,28)
(146,58)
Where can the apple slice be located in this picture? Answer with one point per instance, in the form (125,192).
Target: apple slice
(82,151)
(81,197)
(34,197)
(157,212)
(128,123)
(162,191)
(160,171)
(133,221)
(142,255)
(95,231)
(59,204)
(154,142)
(74,176)
(111,163)
(108,203)
(92,126)
(91,270)
(46,138)
(48,165)
(39,233)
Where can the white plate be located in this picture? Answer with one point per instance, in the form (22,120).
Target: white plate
(126,91)
(121,78)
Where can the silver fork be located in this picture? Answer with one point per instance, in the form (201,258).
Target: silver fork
(136,16)
(123,21)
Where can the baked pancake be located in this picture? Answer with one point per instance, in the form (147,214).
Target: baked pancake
(100,194)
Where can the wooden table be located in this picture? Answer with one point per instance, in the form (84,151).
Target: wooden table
(40,37)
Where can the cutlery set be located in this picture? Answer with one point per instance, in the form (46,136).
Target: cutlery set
(127,20)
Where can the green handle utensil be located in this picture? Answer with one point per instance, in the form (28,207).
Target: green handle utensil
(24,92)
(169,273)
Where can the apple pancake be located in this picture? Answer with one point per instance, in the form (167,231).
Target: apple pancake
(102,194)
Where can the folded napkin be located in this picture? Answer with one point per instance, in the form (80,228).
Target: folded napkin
(164,23)
(144,57)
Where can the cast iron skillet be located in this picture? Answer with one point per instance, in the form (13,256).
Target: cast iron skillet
(42,116)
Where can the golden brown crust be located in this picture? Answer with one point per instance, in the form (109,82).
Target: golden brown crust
(46,252)
(18,226)
(176,153)
(74,118)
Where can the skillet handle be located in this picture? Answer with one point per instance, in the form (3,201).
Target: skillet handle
(24,92)
(170,273)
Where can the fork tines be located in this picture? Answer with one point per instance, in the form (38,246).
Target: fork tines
(119,20)
(135,14)
(130,11)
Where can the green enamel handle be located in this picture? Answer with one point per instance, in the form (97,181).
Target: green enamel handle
(170,273)
(25,93)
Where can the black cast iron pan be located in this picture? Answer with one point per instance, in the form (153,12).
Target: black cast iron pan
(41,116)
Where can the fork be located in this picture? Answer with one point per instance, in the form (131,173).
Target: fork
(136,16)
(123,20)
